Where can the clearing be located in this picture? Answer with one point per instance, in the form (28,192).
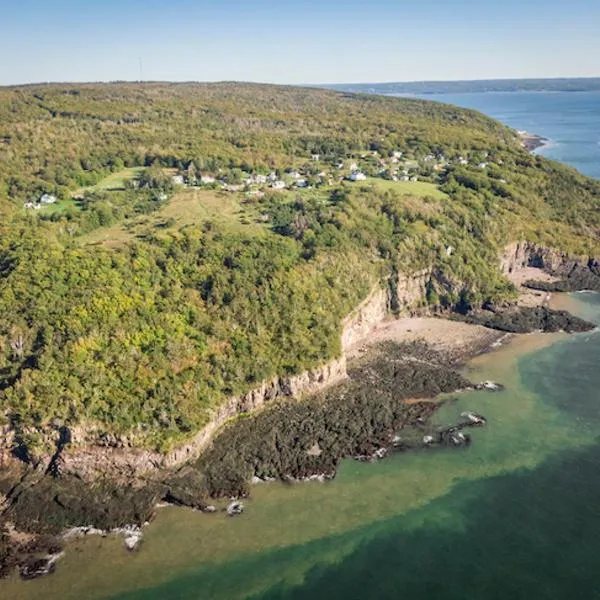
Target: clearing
(113,182)
(186,207)
(418,189)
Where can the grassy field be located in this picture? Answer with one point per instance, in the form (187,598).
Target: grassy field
(419,189)
(112,182)
(60,207)
(187,207)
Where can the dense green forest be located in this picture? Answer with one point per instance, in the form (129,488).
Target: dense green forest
(134,304)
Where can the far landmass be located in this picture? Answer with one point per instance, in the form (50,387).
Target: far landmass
(567,84)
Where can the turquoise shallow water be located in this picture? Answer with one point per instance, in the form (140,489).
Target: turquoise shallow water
(516,515)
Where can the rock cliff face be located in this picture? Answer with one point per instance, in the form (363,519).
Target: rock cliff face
(88,458)
(527,254)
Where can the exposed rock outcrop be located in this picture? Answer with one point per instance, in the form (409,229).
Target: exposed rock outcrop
(87,458)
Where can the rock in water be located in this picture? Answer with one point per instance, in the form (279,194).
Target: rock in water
(235,508)
(489,386)
(36,567)
(473,419)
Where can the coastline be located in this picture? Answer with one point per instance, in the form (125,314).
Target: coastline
(397,368)
(532,141)
(278,507)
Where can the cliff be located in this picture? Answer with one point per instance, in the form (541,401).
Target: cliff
(88,455)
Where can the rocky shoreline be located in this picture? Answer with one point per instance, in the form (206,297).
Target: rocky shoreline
(377,403)
(532,141)
(293,441)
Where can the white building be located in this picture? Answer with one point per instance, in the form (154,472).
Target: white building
(358,176)
(178,180)
(207,179)
(397,154)
(48,199)
(301,183)
(278,184)
(316,157)
(353,166)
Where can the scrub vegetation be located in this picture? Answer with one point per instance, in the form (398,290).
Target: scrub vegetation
(135,306)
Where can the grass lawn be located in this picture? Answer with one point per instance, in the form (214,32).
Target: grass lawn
(60,207)
(112,182)
(186,207)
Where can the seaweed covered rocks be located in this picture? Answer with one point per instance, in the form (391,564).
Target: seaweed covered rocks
(580,277)
(526,319)
(358,418)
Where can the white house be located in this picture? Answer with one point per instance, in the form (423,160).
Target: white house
(357,176)
(397,154)
(414,179)
(256,179)
(301,183)
(405,178)
(207,179)
(316,157)
(278,185)
(482,165)
(48,199)
(295,175)
(272,176)
(178,179)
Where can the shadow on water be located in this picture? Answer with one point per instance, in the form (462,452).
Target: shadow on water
(525,535)
(530,533)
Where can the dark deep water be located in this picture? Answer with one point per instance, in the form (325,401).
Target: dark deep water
(570,120)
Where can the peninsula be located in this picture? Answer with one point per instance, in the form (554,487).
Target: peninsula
(176,255)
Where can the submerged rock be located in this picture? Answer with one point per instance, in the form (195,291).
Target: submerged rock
(235,508)
(490,386)
(37,567)
(132,536)
(473,419)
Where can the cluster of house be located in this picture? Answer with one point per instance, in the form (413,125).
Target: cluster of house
(44,200)
(301,178)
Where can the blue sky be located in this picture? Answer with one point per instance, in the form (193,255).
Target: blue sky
(297,41)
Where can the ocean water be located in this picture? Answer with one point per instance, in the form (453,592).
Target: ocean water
(516,515)
(570,120)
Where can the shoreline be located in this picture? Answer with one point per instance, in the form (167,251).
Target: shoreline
(532,142)
(400,366)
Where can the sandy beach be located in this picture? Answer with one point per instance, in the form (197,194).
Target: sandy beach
(460,341)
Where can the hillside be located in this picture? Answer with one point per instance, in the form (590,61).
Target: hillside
(195,240)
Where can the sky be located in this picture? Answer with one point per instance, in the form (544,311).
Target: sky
(297,41)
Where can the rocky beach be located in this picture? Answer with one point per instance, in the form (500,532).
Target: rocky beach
(377,400)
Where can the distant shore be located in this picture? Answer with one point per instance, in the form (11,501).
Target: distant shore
(532,141)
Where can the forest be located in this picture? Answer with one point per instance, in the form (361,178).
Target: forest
(133,306)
